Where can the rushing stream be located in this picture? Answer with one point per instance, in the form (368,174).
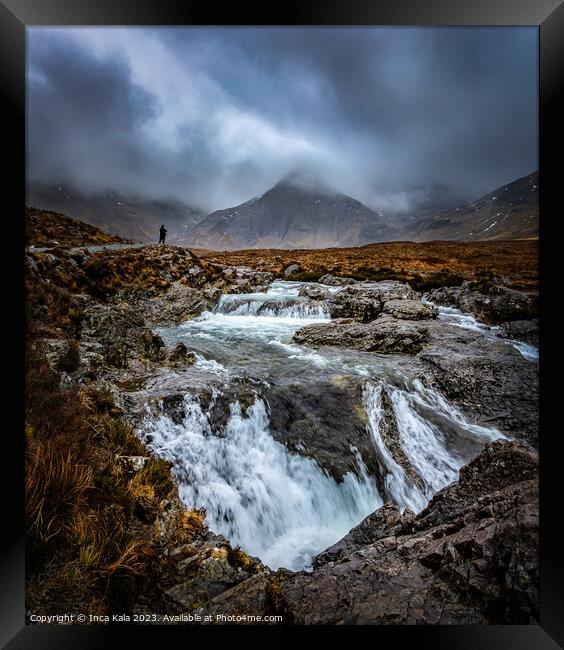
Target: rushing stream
(275,503)
(468,321)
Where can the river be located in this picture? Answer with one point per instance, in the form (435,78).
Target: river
(275,502)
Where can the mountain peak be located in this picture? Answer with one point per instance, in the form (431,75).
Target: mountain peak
(307,182)
(298,212)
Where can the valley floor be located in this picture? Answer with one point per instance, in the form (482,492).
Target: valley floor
(425,265)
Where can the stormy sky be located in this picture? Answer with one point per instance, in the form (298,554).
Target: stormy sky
(215,116)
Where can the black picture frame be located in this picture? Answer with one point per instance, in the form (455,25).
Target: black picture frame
(548,15)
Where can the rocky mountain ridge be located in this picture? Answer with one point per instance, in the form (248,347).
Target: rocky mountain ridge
(508,212)
(299,213)
(293,215)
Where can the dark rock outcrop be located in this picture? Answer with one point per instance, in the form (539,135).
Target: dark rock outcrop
(470,557)
(313,291)
(122,333)
(364,301)
(522,330)
(490,382)
(323,421)
(498,304)
(178,304)
(385,334)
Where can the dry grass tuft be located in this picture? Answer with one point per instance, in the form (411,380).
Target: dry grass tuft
(56,487)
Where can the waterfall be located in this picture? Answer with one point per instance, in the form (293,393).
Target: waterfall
(279,506)
(415,417)
(269,306)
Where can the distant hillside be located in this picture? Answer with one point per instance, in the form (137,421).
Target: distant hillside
(45,228)
(509,212)
(119,213)
(293,214)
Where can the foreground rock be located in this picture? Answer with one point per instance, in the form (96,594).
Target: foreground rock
(195,567)
(490,382)
(470,557)
(178,304)
(324,429)
(385,334)
(121,332)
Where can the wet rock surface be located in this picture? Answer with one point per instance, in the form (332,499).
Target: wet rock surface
(489,381)
(323,422)
(522,330)
(465,559)
(178,356)
(385,334)
(409,310)
(492,304)
(315,292)
(364,301)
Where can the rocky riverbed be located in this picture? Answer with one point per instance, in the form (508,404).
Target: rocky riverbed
(365,453)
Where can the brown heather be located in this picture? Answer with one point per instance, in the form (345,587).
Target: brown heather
(424,266)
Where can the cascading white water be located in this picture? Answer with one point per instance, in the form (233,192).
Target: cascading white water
(270,306)
(276,505)
(422,440)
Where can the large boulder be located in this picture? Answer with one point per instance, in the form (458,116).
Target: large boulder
(242,279)
(313,291)
(385,334)
(410,310)
(291,270)
(494,304)
(178,304)
(122,332)
(361,305)
(335,281)
(324,429)
(522,330)
(490,381)
(364,301)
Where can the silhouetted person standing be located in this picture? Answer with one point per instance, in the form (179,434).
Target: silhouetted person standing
(163,232)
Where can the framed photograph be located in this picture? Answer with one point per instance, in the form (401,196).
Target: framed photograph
(284,302)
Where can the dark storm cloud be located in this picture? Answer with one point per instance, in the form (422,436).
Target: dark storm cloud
(215,116)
